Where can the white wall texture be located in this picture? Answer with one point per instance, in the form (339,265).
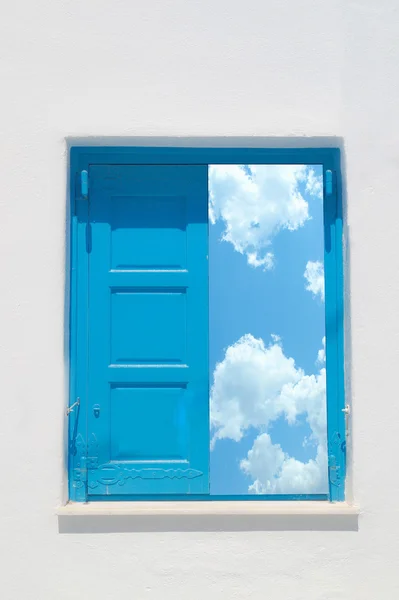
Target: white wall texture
(167,68)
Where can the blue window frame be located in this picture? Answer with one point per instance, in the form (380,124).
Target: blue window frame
(157,288)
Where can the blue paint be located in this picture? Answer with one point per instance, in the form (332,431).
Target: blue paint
(334,298)
(124,155)
(78,338)
(220,497)
(84,182)
(125,383)
(329,182)
(148,330)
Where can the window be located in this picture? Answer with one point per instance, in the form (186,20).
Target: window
(206,324)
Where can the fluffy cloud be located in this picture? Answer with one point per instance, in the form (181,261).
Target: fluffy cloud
(258,202)
(314,275)
(247,387)
(314,184)
(254,385)
(275,472)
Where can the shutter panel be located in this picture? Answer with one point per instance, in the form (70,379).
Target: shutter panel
(148,408)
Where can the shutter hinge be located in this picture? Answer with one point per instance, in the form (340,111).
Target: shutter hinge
(336,459)
(84,184)
(82,464)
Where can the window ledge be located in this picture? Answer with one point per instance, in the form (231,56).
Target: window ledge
(206,516)
(268,507)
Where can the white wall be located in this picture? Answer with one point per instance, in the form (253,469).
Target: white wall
(192,68)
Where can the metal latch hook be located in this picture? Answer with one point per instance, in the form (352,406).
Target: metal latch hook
(70,408)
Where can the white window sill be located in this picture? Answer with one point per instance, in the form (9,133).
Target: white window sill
(206,516)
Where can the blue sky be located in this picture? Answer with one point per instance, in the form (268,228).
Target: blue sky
(266,330)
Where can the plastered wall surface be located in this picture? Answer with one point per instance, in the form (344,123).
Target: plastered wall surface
(165,69)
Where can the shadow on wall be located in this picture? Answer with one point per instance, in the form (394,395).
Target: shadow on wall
(210,142)
(164,523)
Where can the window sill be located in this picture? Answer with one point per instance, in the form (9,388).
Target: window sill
(102,517)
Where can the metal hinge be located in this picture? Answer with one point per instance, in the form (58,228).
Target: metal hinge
(84,184)
(85,458)
(336,463)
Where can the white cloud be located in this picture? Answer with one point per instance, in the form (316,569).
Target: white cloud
(314,275)
(256,205)
(253,386)
(307,396)
(264,461)
(267,262)
(247,387)
(321,355)
(275,472)
(314,184)
(275,338)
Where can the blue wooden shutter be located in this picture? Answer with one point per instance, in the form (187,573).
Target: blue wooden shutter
(148,407)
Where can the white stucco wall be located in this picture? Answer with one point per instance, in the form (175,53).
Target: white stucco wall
(156,68)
